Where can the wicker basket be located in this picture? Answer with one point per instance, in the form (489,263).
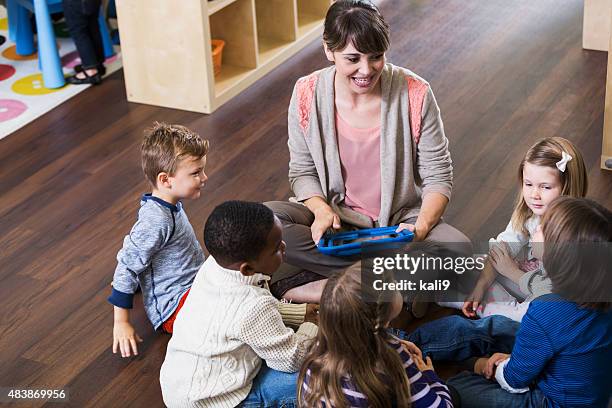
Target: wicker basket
(217,54)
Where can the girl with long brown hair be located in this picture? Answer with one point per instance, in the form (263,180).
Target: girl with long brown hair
(356,362)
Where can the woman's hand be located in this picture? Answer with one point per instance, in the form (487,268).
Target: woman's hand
(412,228)
(431,211)
(325,218)
(420,232)
(504,264)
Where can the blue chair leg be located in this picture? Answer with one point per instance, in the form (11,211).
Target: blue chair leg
(12,11)
(24,36)
(53,77)
(106,38)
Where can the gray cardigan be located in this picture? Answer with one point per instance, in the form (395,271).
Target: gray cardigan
(414,152)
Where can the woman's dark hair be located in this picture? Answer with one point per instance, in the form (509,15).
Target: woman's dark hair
(352,341)
(356,21)
(237,231)
(577,251)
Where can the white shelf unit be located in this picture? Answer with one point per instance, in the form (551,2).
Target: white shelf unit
(167,55)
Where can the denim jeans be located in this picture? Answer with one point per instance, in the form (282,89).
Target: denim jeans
(478,392)
(82,21)
(456,338)
(272,389)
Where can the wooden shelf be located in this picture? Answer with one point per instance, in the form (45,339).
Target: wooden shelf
(178,69)
(606,143)
(307,23)
(229,76)
(216,5)
(270,49)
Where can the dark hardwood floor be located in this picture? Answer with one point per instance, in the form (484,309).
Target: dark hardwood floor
(504,73)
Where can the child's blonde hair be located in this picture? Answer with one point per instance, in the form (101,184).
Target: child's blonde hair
(352,340)
(164,146)
(548,152)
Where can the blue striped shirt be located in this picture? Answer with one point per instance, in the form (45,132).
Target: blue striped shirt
(426,389)
(566,351)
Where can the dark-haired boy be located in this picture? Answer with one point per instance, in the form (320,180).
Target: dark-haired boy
(231,322)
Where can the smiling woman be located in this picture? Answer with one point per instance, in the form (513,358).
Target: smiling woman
(367,149)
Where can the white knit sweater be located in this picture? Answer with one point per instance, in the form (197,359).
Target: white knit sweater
(227,325)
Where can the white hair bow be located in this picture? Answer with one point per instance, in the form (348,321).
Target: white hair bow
(562,164)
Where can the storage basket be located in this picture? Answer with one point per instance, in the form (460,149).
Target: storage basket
(217,54)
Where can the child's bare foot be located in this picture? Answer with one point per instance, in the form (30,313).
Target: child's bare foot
(480,365)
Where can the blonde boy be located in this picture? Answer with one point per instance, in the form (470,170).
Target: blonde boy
(161,254)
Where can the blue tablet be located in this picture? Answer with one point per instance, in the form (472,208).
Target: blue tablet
(354,242)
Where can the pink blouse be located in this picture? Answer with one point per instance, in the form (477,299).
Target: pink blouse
(360,163)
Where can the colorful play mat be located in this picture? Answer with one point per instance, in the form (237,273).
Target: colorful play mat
(23,97)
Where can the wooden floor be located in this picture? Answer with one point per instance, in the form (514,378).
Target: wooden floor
(504,73)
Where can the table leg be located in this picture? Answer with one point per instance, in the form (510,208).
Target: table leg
(51,67)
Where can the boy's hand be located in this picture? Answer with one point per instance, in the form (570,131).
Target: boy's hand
(504,264)
(493,362)
(480,365)
(423,365)
(412,348)
(125,339)
(312,313)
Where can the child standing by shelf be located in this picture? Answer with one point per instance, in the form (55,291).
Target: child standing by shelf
(161,254)
(512,276)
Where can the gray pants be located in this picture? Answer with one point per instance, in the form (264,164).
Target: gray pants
(304,263)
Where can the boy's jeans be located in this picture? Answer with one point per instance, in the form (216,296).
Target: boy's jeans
(456,338)
(478,392)
(272,389)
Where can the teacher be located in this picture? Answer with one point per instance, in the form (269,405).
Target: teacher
(367,149)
